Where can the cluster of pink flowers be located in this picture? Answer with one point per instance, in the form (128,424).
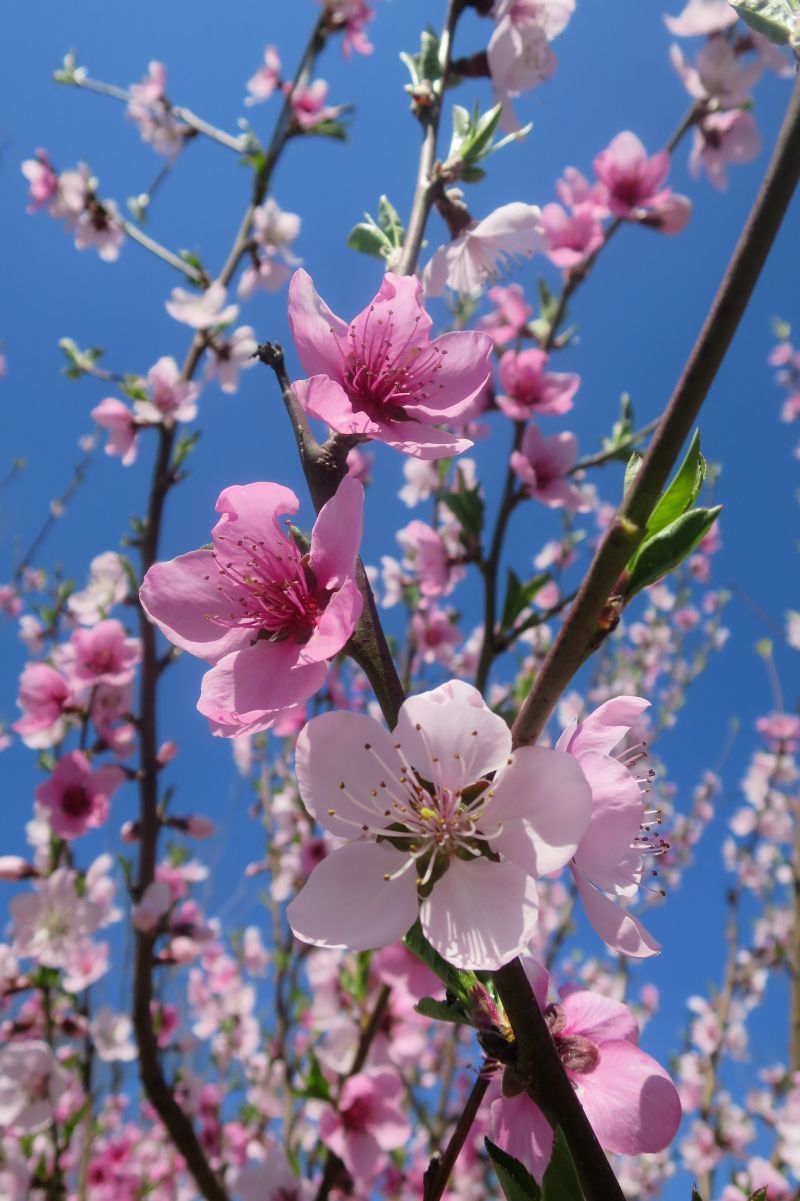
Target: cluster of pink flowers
(71,197)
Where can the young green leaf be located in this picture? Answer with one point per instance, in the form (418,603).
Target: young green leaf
(515,1179)
(683,491)
(667,549)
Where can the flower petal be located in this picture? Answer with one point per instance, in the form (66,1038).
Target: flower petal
(248,690)
(632,1104)
(480,914)
(520,1129)
(617,810)
(351,749)
(605,727)
(618,929)
(335,625)
(600,1018)
(422,441)
(463,366)
(323,398)
(336,536)
(346,902)
(319,335)
(544,804)
(451,737)
(182,598)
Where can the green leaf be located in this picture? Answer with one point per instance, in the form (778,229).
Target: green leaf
(759,1195)
(683,491)
(667,549)
(695,1194)
(622,428)
(390,223)
(314,1085)
(515,1179)
(460,984)
(547,300)
(519,596)
(781,329)
(468,507)
(186,444)
(368,239)
(775,19)
(328,129)
(424,66)
(440,1011)
(632,469)
(561,1180)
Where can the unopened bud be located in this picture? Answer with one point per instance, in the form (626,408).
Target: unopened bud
(167,752)
(13,868)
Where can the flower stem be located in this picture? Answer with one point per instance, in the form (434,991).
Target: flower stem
(425,193)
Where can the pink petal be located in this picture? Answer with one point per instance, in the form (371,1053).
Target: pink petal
(597,1017)
(520,1128)
(319,335)
(618,929)
(617,810)
(354,750)
(335,625)
(544,802)
(451,736)
(336,536)
(251,512)
(347,903)
(480,914)
(422,441)
(249,689)
(182,598)
(465,365)
(323,398)
(629,1099)
(603,729)
(396,313)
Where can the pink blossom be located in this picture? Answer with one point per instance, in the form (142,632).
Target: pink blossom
(519,54)
(633,181)
(435,634)
(529,389)
(723,139)
(377,376)
(31,1085)
(266,79)
(122,428)
(608,861)
(510,317)
(543,466)
(266,616)
(308,104)
(100,654)
(42,179)
(156,901)
(575,191)
(428,557)
(630,1101)
(150,109)
(203,310)
(270,265)
(359,465)
(271,1179)
(571,238)
(76,797)
(108,585)
(476,256)
(45,698)
(719,73)
(112,1036)
(50,923)
(228,356)
(782,731)
(357,780)
(98,228)
(700,17)
(350,16)
(172,398)
(367,1122)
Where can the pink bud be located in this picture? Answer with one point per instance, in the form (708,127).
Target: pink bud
(12,867)
(167,752)
(129,832)
(200,827)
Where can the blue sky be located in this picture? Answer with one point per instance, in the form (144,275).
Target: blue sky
(638,316)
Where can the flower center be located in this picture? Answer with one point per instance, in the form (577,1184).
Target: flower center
(382,377)
(75,801)
(577,1053)
(271,591)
